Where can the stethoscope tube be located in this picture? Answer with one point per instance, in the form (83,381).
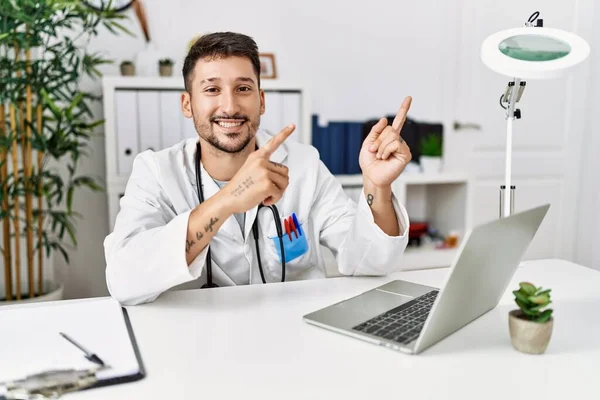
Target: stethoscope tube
(200,191)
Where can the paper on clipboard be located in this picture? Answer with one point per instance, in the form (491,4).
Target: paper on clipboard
(30,341)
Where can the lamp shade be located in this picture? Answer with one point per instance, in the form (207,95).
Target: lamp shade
(533,52)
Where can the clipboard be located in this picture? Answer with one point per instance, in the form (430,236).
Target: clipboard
(31,344)
(141,374)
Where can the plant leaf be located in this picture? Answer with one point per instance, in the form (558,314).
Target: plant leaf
(528,288)
(541,292)
(545,316)
(541,299)
(522,298)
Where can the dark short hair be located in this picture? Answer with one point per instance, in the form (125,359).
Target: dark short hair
(220,45)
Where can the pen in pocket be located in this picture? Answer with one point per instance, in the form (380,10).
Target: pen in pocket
(297,224)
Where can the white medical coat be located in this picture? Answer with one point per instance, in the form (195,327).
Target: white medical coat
(145,253)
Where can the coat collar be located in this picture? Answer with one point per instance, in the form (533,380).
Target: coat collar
(210,188)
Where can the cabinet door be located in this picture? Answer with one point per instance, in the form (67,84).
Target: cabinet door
(271,121)
(148,109)
(126,127)
(291,112)
(188,130)
(170,118)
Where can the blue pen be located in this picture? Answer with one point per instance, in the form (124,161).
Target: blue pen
(296,223)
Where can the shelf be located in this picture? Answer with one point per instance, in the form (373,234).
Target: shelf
(428,257)
(176,83)
(450,177)
(410,179)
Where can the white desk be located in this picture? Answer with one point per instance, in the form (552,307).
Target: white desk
(251,343)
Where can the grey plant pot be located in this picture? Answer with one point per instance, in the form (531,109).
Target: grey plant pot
(528,336)
(165,70)
(127,69)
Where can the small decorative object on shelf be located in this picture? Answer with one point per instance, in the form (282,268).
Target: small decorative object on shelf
(452,239)
(530,326)
(165,67)
(416,231)
(268,69)
(127,68)
(431,154)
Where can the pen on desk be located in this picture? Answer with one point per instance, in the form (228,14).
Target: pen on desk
(90,356)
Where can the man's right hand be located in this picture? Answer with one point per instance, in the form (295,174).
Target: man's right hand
(259,179)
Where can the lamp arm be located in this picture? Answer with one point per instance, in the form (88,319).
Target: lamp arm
(510,117)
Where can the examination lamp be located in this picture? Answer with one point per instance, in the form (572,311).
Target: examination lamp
(530,52)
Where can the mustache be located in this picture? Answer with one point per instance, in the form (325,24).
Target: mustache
(239,117)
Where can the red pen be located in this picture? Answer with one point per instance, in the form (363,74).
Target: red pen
(287,229)
(293,226)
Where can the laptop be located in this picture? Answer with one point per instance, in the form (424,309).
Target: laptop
(410,317)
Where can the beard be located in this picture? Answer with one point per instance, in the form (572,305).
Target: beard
(233,142)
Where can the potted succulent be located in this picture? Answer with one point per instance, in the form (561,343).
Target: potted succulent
(165,67)
(46,128)
(531,325)
(431,153)
(127,68)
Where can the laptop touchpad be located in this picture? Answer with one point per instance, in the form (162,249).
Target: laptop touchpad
(368,305)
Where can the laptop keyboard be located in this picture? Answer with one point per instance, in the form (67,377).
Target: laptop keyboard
(402,324)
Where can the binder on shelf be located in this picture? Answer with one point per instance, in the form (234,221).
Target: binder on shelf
(170,118)
(336,134)
(354,143)
(149,112)
(127,130)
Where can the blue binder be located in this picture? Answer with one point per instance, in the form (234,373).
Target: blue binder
(353,145)
(336,135)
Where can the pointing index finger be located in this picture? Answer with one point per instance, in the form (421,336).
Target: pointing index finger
(272,145)
(401,115)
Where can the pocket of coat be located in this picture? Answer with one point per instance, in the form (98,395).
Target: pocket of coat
(293,248)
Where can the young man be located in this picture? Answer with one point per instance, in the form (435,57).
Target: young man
(162,233)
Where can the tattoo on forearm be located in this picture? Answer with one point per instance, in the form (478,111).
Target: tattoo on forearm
(209,227)
(370,199)
(243,186)
(199,235)
(188,245)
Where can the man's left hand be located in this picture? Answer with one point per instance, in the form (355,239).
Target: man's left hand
(384,154)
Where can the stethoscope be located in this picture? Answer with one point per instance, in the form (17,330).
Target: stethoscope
(209,282)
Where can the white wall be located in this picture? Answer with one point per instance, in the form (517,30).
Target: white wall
(358,62)
(587,248)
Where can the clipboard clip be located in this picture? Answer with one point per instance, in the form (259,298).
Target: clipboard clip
(49,384)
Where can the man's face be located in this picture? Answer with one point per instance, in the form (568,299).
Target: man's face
(225,102)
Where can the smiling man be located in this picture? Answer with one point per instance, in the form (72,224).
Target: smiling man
(194,212)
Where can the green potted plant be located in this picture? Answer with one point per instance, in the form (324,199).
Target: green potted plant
(431,153)
(165,67)
(531,324)
(45,123)
(127,68)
